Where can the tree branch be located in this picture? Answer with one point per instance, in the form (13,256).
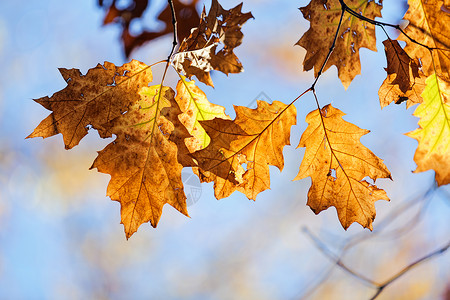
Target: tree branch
(379,286)
(381,24)
(409,267)
(175,30)
(329,52)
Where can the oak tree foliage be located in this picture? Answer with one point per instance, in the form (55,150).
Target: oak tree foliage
(159,130)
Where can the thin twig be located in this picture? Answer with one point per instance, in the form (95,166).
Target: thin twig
(409,267)
(404,208)
(174,44)
(319,244)
(175,30)
(381,24)
(329,52)
(379,286)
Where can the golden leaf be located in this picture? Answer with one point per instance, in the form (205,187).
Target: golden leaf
(433,152)
(241,151)
(142,160)
(196,108)
(337,163)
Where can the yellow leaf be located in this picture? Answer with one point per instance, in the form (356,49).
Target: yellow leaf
(196,107)
(433,152)
(337,163)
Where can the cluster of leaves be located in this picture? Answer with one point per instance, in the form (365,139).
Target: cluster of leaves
(159,131)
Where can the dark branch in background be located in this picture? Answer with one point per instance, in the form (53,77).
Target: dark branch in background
(401,209)
(336,259)
(379,286)
(409,267)
(423,200)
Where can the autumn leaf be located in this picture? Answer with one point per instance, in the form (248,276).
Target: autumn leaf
(389,92)
(142,161)
(353,34)
(91,100)
(186,12)
(433,152)
(241,150)
(201,53)
(196,108)
(404,82)
(429,24)
(337,163)
(399,63)
(217,163)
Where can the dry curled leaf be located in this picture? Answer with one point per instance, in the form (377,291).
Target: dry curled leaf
(91,100)
(433,152)
(201,52)
(404,82)
(142,160)
(337,163)
(241,150)
(353,34)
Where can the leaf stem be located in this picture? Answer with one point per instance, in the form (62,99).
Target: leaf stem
(175,30)
(330,51)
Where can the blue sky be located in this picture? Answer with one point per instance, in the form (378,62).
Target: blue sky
(60,236)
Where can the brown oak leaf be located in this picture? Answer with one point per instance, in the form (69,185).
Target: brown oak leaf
(91,100)
(404,82)
(324,16)
(241,150)
(201,52)
(337,163)
(429,24)
(142,160)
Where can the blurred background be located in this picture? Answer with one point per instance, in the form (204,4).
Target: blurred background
(60,236)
